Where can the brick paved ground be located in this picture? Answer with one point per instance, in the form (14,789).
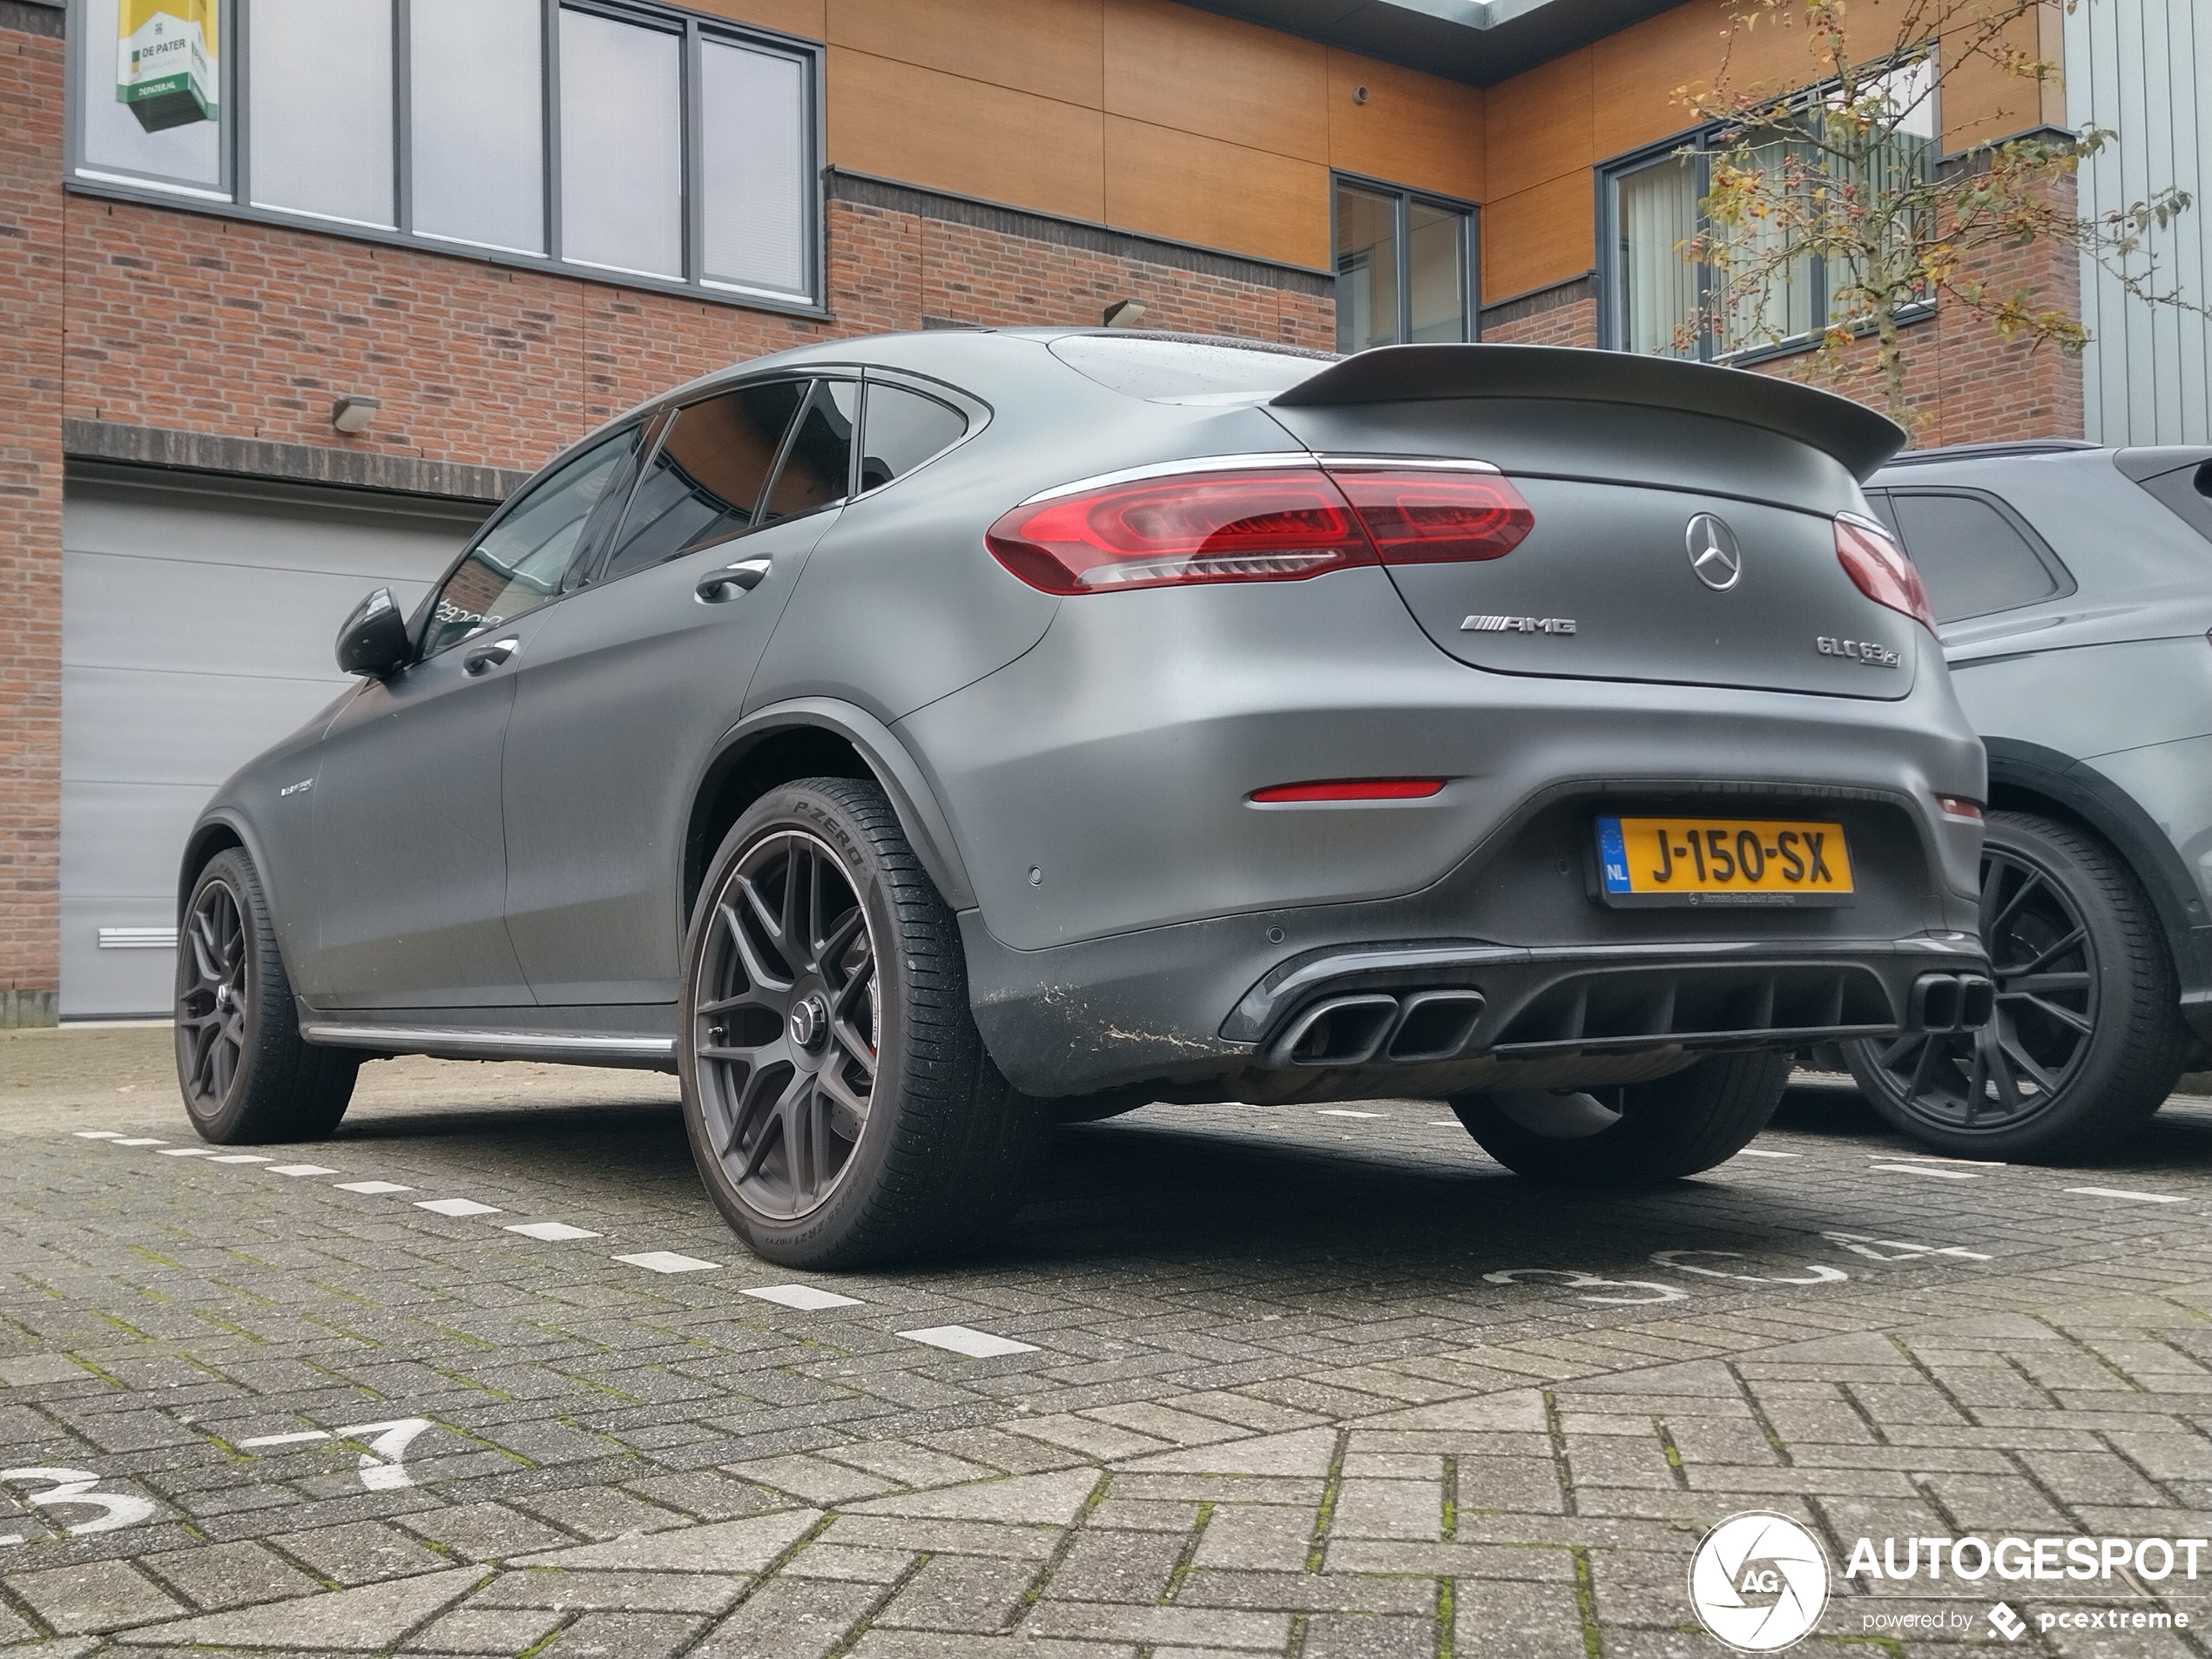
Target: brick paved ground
(1281,1395)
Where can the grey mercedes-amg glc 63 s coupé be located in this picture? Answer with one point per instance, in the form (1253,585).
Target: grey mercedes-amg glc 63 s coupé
(915,741)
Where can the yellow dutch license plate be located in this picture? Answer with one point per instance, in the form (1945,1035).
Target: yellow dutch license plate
(1721,861)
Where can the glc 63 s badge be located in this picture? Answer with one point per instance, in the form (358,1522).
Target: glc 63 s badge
(1864,652)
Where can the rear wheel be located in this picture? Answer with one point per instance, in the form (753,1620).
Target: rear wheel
(840,1107)
(246,1073)
(1632,1135)
(2087,1040)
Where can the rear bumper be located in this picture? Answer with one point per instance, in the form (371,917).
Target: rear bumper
(1218,1003)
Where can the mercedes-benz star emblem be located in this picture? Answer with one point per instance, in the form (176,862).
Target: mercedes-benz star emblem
(1715,553)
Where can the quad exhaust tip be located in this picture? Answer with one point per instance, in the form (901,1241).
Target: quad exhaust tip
(1945,1002)
(1422,1027)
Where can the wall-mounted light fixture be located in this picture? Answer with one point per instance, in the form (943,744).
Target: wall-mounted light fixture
(351,413)
(1124,313)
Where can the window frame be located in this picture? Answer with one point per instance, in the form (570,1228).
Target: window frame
(1404,196)
(1611,290)
(234,199)
(2064,585)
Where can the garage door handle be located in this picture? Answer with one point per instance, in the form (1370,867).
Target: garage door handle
(484,658)
(731,580)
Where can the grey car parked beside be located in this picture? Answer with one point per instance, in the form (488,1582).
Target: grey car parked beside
(2072,585)
(912,741)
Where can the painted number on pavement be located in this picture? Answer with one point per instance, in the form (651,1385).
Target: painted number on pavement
(67,1489)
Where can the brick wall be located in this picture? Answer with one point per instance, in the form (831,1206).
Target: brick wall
(30,514)
(186,320)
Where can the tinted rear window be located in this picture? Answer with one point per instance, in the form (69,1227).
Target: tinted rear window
(1153,366)
(1973,558)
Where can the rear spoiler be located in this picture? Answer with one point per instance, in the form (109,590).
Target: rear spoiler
(1854,434)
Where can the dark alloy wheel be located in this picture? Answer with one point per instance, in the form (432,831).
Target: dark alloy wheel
(840,1106)
(784,1027)
(210,997)
(2086,1040)
(245,1073)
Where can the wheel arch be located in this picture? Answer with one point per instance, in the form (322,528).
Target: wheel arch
(209,837)
(2026,777)
(816,738)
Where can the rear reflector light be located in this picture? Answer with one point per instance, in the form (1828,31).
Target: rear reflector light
(1883,573)
(1352,789)
(1437,517)
(1955,806)
(1265,525)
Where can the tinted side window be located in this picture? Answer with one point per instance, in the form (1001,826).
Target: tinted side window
(2188,493)
(818,467)
(904,429)
(705,480)
(518,564)
(1972,556)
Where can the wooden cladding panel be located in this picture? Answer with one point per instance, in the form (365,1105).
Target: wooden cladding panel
(804,18)
(1050,48)
(1173,66)
(1415,130)
(1537,125)
(1189,188)
(1538,236)
(923,127)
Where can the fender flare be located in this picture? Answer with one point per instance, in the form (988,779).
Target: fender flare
(196,854)
(920,814)
(2081,789)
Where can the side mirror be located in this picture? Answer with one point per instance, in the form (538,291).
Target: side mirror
(374,640)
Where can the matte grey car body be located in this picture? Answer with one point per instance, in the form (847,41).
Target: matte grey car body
(495,847)
(2073,587)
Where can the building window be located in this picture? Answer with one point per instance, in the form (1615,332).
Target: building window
(1657,301)
(1405,267)
(662,149)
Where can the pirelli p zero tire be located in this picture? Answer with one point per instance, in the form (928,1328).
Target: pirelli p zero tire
(840,1106)
(246,1075)
(2087,1040)
(1631,1136)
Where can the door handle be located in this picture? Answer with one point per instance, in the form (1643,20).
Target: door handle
(484,658)
(731,580)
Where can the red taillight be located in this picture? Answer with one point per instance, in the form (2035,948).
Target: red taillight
(1422,517)
(1352,789)
(1264,525)
(1207,527)
(1883,573)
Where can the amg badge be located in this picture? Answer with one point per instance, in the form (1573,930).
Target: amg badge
(1864,652)
(1518,625)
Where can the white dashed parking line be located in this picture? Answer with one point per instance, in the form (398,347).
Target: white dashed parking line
(99,1134)
(371,1186)
(136,1140)
(241,1157)
(666,1261)
(1922,1169)
(182,1151)
(976,1345)
(1339,1111)
(551,1231)
(456,1207)
(2123,1192)
(299,1169)
(803,1297)
(1757,1152)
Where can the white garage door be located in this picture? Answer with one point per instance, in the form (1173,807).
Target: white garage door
(197,624)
